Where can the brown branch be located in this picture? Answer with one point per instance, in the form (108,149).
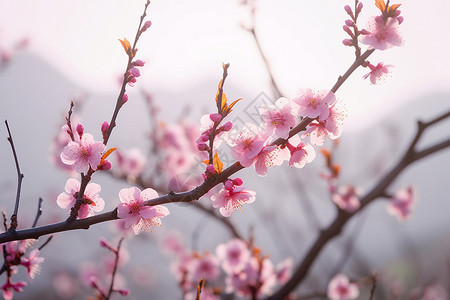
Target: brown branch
(379,190)
(116,263)
(14,222)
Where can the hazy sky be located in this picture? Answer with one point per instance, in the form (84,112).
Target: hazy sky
(190,39)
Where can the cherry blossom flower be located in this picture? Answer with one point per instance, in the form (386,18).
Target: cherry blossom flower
(9,288)
(136,214)
(83,154)
(381,34)
(206,267)
(172,243)
(278,118)
(301,154)
(228,200)
(233,255)
(91,200)
(402,204)
(255,275)
(270,156)
(313,104)
(378,73)
(32,263)
(347,198)
(131,163)
(247,144)
(330,127)
(283,270)
(340,288)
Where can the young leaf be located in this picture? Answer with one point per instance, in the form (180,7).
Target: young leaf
(126,45)
(107,153)
(218,165)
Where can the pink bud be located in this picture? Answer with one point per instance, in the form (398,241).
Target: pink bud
(104,243)
(215,117)
(138,63)
(360,7)
(146,26)
(135,72)
(202,147)
(204,137)
(400,20)
(131,81)
(124,99)
(227,126)
(124,292)
(349,11)
(348,30)
(349,23)
(347,42)
(80,130)
(364,32)
(229,185)
(238,181)
(397,13)
(210,169)
(105,126)
(105,166)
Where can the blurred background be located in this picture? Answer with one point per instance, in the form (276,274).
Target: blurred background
(55,51)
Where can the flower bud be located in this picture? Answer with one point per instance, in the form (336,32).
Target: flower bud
(138,63)
(105,166)
(349,23)
(347,42)
(360,7)
(124,99)
(204,137)
(105,127)
(238,181)
(349,11)
(146,26)
(400,20)
(348,30)
(202,147)
(135,72)
(227,126)
(228,185)
(210,169)
(215,117)
(124,292)
(104,243)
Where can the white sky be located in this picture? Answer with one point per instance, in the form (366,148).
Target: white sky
(190,39)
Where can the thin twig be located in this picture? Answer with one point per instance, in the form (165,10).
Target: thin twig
(14,222)
(46,242)
(116,263)
(38,213)
(374,286)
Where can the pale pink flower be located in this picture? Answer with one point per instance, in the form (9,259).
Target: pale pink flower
(402,204)
(233,255)
(331,127)
(270,156)
(382,34)
(91,200)
(247,144)
(173,244)
(206,267)
(9,288)
(131,163)
(301,154)
(313,104)
(378,73)
(253,276)
(278,118)
(435,291)
(284,270)
(83,154)
(136,214)
(347,198)
(340,288)
(230,200)
(32,263)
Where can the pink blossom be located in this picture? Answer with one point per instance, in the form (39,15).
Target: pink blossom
(9,288)
(313,104)
(146,26)
(347,198)
(378,73)
(301,154)
(173,244)
(32,263)
(255,275)
(278,118)
(340,288)
(233,255)
(136,214)
(402,204)
(330,127)
(230,200)
(83,154)
(283,270)
(206,267)
(91,200)
(382,34)
(270,156)
(131,163)
(247,144)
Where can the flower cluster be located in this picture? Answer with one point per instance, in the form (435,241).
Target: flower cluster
(247,272)
(14,254)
